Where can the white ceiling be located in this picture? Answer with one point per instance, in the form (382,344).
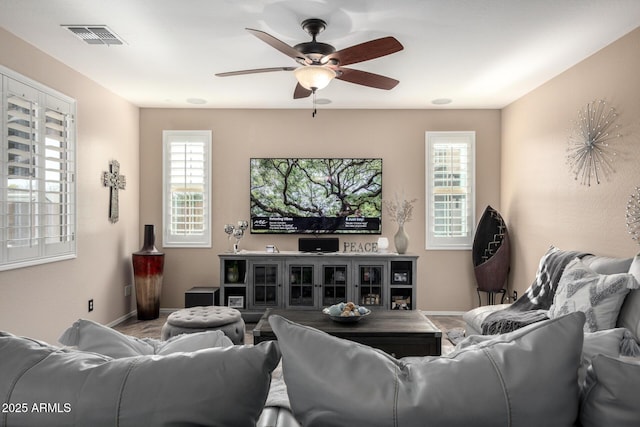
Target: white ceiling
(479,53)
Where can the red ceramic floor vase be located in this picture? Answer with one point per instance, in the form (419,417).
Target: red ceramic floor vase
(148,267)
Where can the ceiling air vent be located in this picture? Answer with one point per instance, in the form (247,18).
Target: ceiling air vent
(95,34)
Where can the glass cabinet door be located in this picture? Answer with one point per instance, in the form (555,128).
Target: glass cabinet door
(370,285)
(301,286)
(265,285)
(334,284)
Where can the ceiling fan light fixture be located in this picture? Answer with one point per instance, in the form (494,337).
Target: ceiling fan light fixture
(314,77)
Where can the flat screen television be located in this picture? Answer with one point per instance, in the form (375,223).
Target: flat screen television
(316,195)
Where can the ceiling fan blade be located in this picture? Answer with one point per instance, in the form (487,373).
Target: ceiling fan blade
(365,51)
(365,78)
(279,45)
(254,71)
(300,92)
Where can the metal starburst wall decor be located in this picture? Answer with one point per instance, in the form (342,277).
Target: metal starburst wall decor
(588,154)
(633,215)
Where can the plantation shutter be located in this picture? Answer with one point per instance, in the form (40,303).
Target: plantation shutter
(37,190)
(57,198)
(21,184)
(450,190)
(187,187)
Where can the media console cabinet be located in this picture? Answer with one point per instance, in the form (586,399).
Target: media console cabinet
(254,281)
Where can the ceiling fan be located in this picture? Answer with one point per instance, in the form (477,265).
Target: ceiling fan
(319,63)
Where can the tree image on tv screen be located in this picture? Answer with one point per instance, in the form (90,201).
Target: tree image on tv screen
(316,188)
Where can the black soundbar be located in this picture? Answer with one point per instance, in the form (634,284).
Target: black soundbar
(318,244)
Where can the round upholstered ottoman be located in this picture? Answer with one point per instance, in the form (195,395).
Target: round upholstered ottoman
(200,319)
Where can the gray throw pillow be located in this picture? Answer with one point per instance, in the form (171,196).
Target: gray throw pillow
(599,296)
(607,265)
(211,387)
(524,378)
(601,342)
(610,396)
(87,335)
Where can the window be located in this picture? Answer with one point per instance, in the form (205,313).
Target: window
(450,176)
(186,188)
(37,174)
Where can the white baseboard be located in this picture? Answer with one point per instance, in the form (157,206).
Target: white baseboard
(443,313)
(121,319)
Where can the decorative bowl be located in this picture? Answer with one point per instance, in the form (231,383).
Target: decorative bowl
(364,312)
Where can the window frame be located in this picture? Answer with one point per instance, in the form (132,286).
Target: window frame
(172,240)
(432,241)
(45,102)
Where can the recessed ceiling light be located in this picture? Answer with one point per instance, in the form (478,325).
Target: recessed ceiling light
(323,101)
(441,101)
(197,101)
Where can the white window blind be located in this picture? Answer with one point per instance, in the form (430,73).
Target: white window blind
(450,184)
(37,188)
(187,187)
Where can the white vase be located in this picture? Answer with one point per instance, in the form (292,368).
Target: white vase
(401,240)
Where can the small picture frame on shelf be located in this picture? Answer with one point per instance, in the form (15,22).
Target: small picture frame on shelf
(400,277)
(401,303)
(235,301)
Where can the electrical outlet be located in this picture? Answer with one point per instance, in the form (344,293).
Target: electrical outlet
(90,306)
(127,290)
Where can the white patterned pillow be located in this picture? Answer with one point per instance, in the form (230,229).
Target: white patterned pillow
(630,312)
(598,296)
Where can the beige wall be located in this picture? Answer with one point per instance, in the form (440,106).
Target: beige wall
(445,278)
(541,202)
(42,301)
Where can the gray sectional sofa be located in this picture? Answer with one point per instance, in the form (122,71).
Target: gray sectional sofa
(550,372)
(542,374)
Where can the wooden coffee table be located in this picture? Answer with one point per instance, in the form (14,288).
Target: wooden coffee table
(400,333)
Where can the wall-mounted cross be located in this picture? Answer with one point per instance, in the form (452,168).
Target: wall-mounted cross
(115,182)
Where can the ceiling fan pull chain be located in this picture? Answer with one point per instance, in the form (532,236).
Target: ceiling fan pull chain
(313,92)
